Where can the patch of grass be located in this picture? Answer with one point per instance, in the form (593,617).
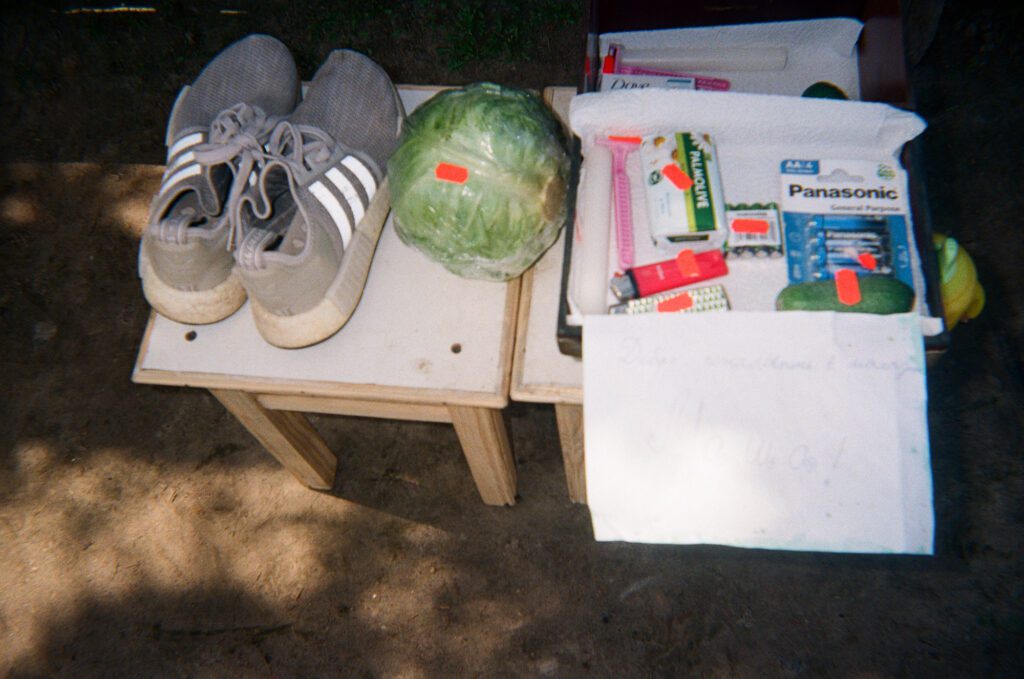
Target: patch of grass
(480,31)
(351,23)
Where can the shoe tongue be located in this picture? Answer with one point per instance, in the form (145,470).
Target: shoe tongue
(199,191)
(274,183)
(206,189)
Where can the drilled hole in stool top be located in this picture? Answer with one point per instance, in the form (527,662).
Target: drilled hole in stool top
(190,335)
(456,348)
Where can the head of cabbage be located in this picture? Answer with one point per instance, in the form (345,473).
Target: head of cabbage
(478,181)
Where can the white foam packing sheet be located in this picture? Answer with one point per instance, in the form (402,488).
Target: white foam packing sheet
(753,134)
(815,50)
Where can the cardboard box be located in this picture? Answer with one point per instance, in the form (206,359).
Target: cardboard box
(881,77)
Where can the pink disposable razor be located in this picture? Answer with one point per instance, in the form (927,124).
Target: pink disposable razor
(621,147)
(613,64)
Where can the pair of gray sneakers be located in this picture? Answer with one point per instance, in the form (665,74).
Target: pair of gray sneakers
(272,196)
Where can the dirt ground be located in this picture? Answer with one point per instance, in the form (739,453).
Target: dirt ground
(144,532)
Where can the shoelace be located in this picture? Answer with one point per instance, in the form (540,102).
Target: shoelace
(235,136)
(295,148)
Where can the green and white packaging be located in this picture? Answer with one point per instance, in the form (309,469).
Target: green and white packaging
(683,189)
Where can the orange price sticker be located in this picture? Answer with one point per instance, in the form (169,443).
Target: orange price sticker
(847,287)
(675,174)
(680,302)
(446,172)
(755,226)
(868,261)
(687,263)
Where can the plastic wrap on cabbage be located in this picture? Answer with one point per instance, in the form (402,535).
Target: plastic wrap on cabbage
(478,180)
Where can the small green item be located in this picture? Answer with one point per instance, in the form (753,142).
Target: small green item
(824,90)
(479,179)
(878,295)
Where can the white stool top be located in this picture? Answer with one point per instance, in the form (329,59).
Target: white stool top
(419,334)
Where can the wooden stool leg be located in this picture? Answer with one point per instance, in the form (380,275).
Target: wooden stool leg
(287,435)
(485,444)
(570,433)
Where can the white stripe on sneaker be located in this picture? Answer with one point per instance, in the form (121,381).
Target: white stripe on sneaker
(183,159)
(184,143)
(362,173)
(184,173)
(333,207)
(349,192)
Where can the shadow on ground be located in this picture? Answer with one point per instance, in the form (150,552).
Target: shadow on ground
(148,532)
(144,533)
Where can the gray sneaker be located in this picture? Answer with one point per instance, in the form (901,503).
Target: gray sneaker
(313,219)
(185,261)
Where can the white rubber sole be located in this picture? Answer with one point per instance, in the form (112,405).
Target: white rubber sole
(191,307)
(339,303)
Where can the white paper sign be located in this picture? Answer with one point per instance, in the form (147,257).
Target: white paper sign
(794,430)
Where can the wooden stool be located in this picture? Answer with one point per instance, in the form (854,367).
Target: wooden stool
(423,344)
(541,373)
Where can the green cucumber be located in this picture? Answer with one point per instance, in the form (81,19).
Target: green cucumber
(878,295)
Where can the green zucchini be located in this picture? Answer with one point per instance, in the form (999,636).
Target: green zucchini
(878,295)
(824,90)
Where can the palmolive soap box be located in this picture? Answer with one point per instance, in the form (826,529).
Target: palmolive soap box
(683,190)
